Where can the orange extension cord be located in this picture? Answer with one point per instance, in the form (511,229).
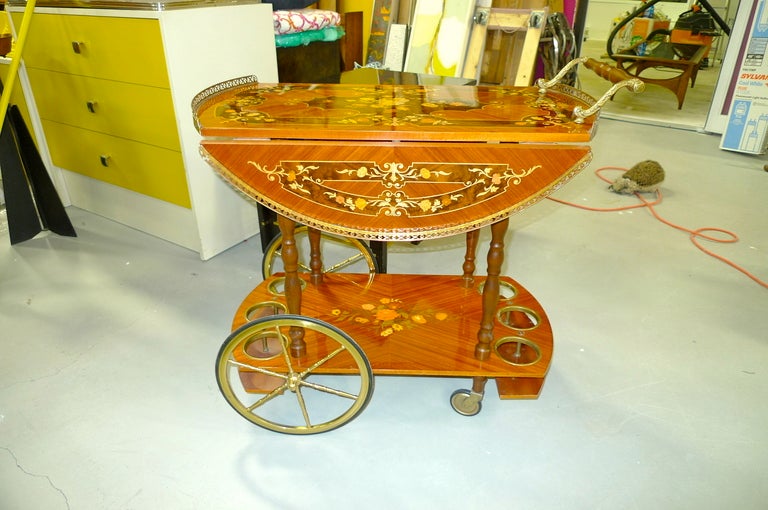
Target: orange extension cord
(695,235)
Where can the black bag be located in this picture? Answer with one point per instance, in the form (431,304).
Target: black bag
(697,22)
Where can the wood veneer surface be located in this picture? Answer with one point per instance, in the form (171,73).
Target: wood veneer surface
(388,112)
(422,325)
(393,162)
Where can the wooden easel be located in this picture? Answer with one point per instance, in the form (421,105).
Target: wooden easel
(504,44)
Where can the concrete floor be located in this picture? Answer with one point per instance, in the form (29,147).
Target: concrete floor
(655,398)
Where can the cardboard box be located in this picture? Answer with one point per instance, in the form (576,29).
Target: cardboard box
(638,30)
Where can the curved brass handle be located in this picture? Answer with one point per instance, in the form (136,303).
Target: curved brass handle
(91,105)
(544,84)
(104,158)
(618,77)
(77,46)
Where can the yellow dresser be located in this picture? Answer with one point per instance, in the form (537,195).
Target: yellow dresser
(112,90)
(90,88)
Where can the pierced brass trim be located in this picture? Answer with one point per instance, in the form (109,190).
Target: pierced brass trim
(201,99)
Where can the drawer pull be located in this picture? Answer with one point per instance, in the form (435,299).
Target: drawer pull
(91,106)
(104,160)
(77,46)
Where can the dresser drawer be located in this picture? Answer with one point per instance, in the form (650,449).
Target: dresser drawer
(139,167)
(136,112)
(122,49)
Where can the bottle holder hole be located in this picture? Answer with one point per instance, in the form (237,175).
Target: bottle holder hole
(517,351)
(519,318)
(507,291)
(277,286)
(265,309)
(264,346)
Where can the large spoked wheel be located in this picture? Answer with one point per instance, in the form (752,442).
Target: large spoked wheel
(319,391)
(339,254)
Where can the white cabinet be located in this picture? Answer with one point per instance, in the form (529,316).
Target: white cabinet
(110,93)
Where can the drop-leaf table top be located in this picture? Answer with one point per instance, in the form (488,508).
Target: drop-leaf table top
(393,162)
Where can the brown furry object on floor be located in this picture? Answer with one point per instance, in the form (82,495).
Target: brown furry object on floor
(643,177)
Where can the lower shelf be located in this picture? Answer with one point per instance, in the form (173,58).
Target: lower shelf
(421,325)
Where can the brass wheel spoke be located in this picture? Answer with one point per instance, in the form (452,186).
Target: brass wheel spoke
(257,369)
(328,389)
(266,398)
(302,267)
(319,362)
(303,406)
(343,263)
(286,355)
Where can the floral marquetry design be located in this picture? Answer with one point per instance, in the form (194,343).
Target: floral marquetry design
(394,162)
(400,189)
(389,315)
(393,175)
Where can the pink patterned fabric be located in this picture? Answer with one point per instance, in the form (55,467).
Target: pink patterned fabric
(303,20)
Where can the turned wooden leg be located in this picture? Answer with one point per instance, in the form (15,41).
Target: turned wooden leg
(491,289)
(315,257)
(290,256)
(478,384)
(469,257)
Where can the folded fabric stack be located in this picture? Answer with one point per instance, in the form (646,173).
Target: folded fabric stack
(303,26)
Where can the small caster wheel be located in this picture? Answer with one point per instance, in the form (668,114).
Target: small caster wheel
(466,403)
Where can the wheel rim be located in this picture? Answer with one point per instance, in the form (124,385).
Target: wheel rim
(267,386)
(339,254)
(463,403)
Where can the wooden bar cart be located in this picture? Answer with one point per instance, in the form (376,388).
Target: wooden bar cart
(387,163)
